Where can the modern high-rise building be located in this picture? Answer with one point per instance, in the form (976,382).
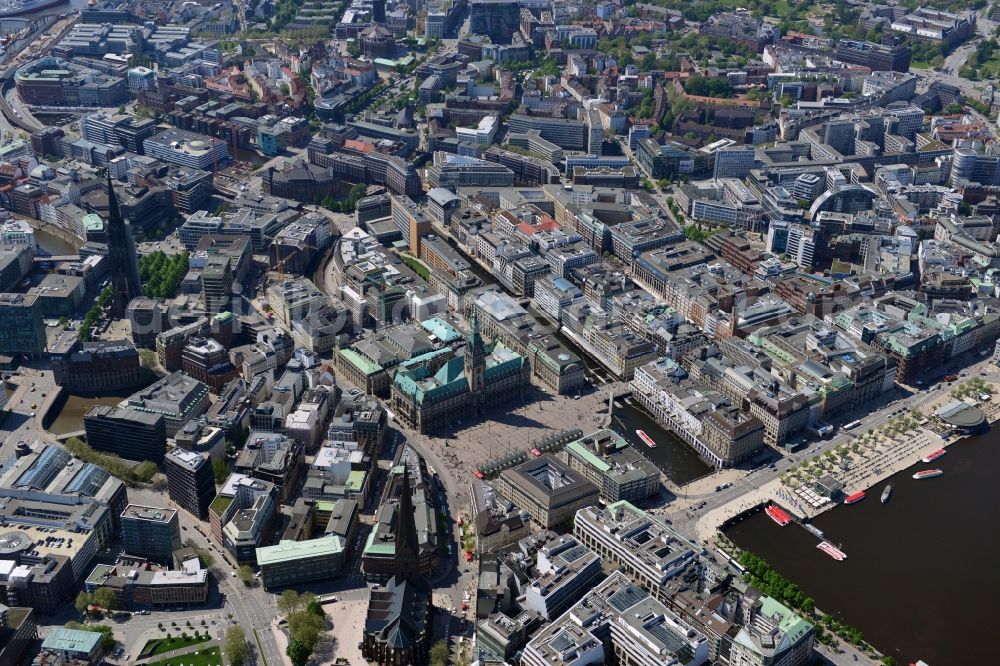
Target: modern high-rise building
(734,162)
(23,330)
(410,220)
(190,481)
(151,532)
(499,19)
(595,133)
(130,434)
(124,265)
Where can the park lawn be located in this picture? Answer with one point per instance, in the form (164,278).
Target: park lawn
(781,8)
(416,266)
(162,645)
(209,657)
(990,68)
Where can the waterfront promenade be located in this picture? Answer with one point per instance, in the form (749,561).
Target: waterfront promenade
(872,456)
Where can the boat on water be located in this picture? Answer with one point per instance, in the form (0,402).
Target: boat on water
(927,474)
(832,551)
(18,7)
(856,497)
(778,515)
(886,493)
(815,530)
(931,457)
(646,439)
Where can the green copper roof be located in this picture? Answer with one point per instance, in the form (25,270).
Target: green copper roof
(360,362)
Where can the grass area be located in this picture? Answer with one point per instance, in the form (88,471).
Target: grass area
(163,645)
(990,68)
(220,504)
(781,8)
(920,64)
(209,657)
(416,266)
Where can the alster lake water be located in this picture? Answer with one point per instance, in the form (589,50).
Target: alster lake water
(921,571)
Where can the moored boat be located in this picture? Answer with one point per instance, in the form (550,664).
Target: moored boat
(832,551)
(931,457)
(927,474)
(856,497)
(778,515)
(886,493)
(646,439)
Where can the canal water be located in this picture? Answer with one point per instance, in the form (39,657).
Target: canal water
(919,580)
(53,245)
(68,416)
(672,455)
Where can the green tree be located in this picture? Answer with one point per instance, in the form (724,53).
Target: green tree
(314,607)
(220,470)
(236,645)
(83,600)
(106,598)
(439,654)
(245,574)
(306,627)
(205,555)
(298,652)
(289,601)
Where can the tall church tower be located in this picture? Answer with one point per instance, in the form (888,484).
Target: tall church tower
(475,361)
(407,544)
(125,283)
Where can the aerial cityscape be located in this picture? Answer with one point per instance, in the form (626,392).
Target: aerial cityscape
(498,332)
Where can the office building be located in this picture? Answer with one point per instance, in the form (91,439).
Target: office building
(18,633)
(242,514)
(295,299)
(153,585)
(176,397)
(190,481)
(56,82)
(564,133)
(126,433)
(499,19)
(153,533)
(566,571)
(297,562)
(454,171)
(623,625)
(188,149)
(117,130)
(207,361)
(23,331)
(547,489)
(619,471)
(876,56)
(104,366)
(411,222)
(640,544)
(733,162)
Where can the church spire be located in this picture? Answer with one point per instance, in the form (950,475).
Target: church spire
(407,544)
(125,283)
